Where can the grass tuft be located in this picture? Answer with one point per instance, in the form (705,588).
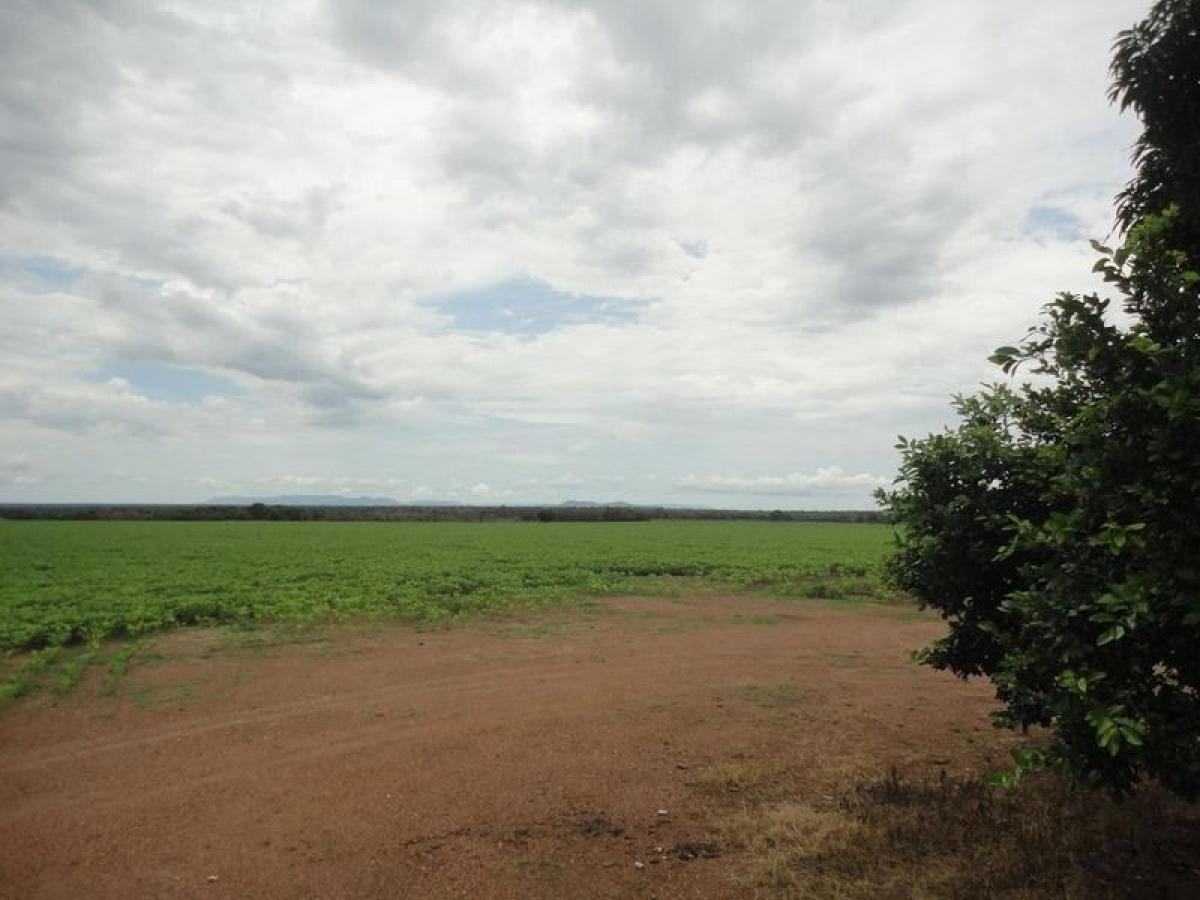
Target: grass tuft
(733,776)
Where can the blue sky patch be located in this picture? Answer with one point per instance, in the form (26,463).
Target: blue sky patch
(171,384)
(529,306)
(43,274)
(1054,221)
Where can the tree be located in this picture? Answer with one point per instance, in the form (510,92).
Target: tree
(1057,527)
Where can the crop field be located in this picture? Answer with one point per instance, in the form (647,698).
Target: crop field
(70,582)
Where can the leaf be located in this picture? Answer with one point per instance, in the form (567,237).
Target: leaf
(1133,737)
(1143,344)
(1004,356)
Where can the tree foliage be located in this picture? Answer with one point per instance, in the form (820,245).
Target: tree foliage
(1057,527)
(1156,74)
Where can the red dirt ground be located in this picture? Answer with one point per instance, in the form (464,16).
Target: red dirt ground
(512,758)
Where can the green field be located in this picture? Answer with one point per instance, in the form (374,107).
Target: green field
(69,582)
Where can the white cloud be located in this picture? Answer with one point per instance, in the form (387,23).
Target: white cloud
(822,211)
(829,480)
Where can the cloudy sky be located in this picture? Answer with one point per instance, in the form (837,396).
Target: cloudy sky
(697,252)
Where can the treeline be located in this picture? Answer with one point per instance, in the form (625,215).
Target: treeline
(284,513)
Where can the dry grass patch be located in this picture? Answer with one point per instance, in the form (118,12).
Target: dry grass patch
(736,775)
(950,839)
(787,841)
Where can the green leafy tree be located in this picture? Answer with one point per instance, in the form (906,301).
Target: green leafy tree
(1057,527)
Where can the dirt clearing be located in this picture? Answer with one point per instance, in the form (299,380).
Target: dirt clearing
(593,752)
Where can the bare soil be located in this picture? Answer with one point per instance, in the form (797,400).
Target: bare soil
(575,753)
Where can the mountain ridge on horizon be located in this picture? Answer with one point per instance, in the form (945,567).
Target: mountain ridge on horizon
(344,500)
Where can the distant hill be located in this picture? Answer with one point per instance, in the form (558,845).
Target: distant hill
(304,500)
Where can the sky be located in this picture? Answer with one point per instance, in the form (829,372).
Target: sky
(701,253)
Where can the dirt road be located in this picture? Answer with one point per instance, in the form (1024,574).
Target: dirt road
(565,754)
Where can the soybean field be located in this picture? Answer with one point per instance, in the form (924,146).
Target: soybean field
(69,582)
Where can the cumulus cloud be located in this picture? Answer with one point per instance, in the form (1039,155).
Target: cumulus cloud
(828,480)
(486,243)
(109,407)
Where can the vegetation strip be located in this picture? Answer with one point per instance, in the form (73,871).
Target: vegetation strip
(84,582)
